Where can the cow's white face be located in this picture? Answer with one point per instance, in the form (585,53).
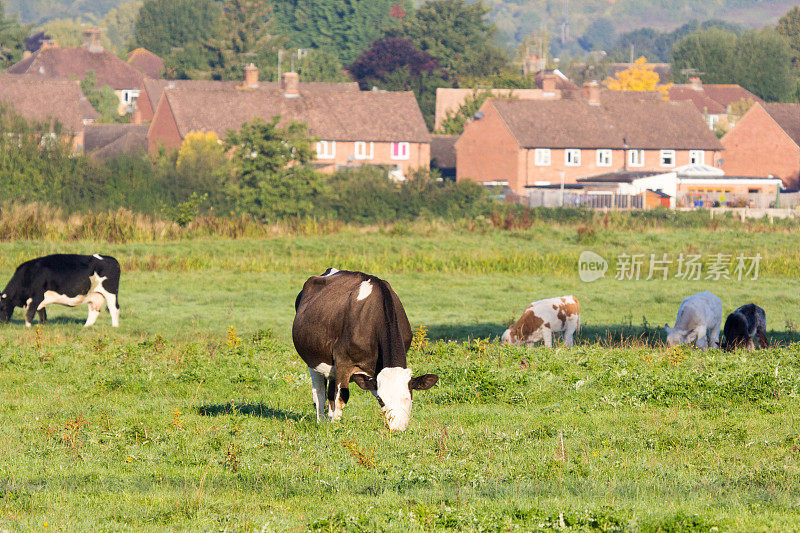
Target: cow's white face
(674,336)
(506,338)
(393,391)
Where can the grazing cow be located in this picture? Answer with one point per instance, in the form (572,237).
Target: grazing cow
(351,326)
(543,318)
(742,326)
(699,321)
(64,279)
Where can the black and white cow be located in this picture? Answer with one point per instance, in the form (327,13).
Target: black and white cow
(64,279)
(351,326)
(747,323)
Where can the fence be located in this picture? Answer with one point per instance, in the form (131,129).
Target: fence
(752,201)
(589,199)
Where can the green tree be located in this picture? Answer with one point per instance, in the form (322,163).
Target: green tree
(455,121)
(321,65)
(246,36)
(708,53)
(103,99)
(120,25)
(789,27)
(163,25)
(763,65)
(12,37)
(272,177)
(345,27)
(68,32)
(458,35)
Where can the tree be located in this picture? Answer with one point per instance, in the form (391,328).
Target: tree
(762,65)
(321,65)
(12,37)
(706,53)
(455,121)
(68,32)
(395,64)
(272,179)
(789,27)
(103,99)
(246,37)
(456,34)
(638,77)
(163,25)
(344,27)
(600,35)
(120,25)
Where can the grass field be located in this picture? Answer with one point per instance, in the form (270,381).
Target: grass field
(196,413)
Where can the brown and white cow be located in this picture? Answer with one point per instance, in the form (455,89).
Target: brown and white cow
(351,326)
(543,318)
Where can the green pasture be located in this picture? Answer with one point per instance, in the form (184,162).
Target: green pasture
(196,413)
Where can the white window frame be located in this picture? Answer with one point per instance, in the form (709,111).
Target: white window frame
(663,155)
(697,157)
(361,150)
(574,161)
(542,157)
(603,161)
(326,149)
(404,150)
(129,95)
(635,158)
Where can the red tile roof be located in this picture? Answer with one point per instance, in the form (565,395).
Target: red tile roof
(713,99)
(788,118)
(726,94)
(703,103)
(339,115)
(43,99)
(147,62)
(66,62)
(635,124)
(155,88)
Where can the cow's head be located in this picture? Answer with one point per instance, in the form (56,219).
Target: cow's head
(393,388)
(507,337)
(6,307)
(674,335)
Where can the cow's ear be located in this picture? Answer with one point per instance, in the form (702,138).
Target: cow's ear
(423,382)
(365,382)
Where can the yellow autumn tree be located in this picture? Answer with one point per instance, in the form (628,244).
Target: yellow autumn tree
(638,77)
(201,150)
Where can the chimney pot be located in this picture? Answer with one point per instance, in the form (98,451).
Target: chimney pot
(695,83)
(591,91)
(251,76)
(290,84)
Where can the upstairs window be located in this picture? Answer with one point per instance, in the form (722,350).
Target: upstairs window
(697,157)
(364,150)
(604,158)
(572,157)
(400,150)
(667,158)
(635,158)
(541,157)
(326,149)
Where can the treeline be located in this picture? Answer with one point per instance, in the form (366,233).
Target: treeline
(271,183)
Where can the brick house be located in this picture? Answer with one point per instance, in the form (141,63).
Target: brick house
(353,127)
(32,97)
(152,89)
(149,63)
(524,143)
(52,61)
(714,101)
(765,142)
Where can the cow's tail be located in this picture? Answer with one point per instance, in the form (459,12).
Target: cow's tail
(391,349)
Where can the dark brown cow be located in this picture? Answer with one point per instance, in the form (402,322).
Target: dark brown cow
(743,326)
(351,326)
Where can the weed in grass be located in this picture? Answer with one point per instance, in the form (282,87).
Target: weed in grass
(364,458)
(233,340)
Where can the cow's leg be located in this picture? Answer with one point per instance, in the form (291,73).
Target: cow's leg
(338,392)
(31,308)
(318,385)
(111,302)
(568,333)
(702,337)
(95,304)
(42,316)
(761,335)
(713,338)
(547,335)
(750,344)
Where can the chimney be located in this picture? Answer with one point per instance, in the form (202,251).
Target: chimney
(48,43)
(91,38)
(695,83)
(591,91)
(290,84)
(136,116)
(251,76)
(549,83)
